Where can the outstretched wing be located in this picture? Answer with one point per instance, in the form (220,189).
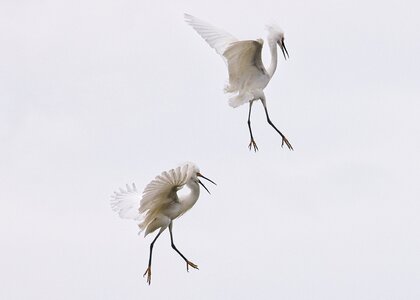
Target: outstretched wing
(126,202)
(217,38)
(244,64)
(157,195)
(161,192)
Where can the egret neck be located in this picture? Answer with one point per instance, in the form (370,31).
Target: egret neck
(273,51)
(188,201)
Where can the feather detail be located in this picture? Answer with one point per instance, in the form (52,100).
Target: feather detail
(161,192)
(217,38)
(244,64)
(158,195)
(240,99)
(126,202)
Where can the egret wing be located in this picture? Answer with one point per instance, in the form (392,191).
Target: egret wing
(217,38)
(157,195)
(161,192)
(244,64)
(126,202)
(163,188)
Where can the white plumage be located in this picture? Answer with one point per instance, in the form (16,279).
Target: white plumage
(217,38)
(247,75)
(160,204)
(126,202)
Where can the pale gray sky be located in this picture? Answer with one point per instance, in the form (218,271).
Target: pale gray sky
(95,94)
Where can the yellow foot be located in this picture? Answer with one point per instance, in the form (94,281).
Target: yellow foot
(149,275)
(253,144)
(285,141)
(191,265)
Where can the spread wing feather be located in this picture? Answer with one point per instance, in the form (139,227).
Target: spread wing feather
(126,202)
(217,38)
(159,193)
(243,58)
(162,190)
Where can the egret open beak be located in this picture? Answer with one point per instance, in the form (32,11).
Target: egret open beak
(199,181)
(283,49)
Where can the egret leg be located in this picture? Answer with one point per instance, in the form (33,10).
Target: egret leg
(284,139)
(149,267)
(189,264)
(252,143)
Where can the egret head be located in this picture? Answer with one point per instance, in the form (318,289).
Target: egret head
(194,173)
(276,35)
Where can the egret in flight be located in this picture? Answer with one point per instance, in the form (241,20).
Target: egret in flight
(160,204)
(247,75)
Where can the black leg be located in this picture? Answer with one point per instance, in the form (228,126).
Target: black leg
(252,143)
(149,267)
(284,139)
(174,247)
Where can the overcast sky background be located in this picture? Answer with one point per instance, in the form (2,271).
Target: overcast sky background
(95,94)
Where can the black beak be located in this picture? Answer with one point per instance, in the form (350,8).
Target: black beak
(283,49)
(199,181)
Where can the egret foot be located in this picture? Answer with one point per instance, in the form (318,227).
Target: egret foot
(285,141)
(191,265)
(149,275)
(253,144)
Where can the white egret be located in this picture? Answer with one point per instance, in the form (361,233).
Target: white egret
(160,204)
(247,74)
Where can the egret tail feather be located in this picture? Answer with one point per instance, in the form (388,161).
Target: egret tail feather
(240,99)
